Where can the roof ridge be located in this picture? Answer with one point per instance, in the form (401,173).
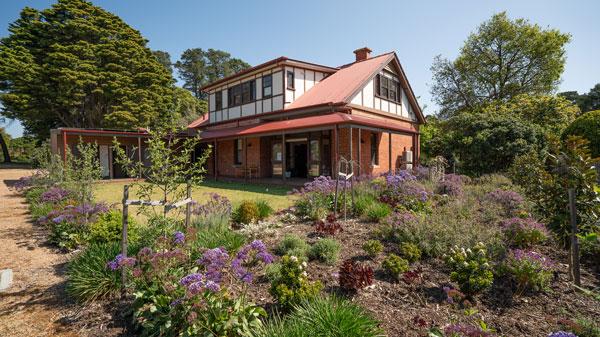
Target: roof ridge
(370,58)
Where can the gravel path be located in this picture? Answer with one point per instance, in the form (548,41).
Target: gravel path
(33,304)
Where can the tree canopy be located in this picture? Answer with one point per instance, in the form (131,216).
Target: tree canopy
(164,58)
(77,65)
(586,102)
(502,59)
(588,127)
(198,67)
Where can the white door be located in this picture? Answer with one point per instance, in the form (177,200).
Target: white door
(104,162)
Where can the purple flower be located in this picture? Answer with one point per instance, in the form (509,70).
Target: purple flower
(215,205)
(214,260)
(511,201)
(54,195)
(529,256)
(247,256)
(178,238)
(321,184)
(562,334)
(121,261)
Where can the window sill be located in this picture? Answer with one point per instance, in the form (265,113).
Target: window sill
(291,89)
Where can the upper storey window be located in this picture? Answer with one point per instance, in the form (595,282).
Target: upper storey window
(242,93)
(290,80)
(219,100)
(267,86)
(387,88)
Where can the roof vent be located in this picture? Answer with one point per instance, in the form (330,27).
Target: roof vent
(362,54)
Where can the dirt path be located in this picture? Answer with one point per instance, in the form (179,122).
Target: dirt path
(33,304)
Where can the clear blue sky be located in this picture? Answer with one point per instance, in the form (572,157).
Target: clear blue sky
(327,32)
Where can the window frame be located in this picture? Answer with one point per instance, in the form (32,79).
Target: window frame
(290,84)
(385,86)
(270,86)
(238,149)
(374,149)
(219,100)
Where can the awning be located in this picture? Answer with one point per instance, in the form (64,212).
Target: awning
(312,122)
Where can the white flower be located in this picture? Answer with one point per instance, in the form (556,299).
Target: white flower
(469,251)
(465,264)
(293,258)
(304,264)
(305,274)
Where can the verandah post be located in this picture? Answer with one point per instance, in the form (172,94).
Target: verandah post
(124,237)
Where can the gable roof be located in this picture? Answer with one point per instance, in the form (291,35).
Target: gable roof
(340,86)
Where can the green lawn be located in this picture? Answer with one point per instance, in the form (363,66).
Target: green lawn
(112,192)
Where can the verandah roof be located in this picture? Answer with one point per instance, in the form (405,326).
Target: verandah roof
(297,124)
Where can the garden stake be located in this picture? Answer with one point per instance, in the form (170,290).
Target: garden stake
(574,242)
(124,237)
(187,206)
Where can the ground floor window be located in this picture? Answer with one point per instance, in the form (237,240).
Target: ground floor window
(237,151)
(374,149)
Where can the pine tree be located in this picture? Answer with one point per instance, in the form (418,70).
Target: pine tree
(77,65)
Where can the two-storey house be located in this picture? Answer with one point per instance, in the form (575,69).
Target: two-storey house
(293,119)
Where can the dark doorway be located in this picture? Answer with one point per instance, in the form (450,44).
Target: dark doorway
(298,158)
(118,170)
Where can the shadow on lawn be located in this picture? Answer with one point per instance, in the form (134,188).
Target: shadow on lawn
(249,187)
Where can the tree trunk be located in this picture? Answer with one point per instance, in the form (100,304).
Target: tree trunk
(4,149)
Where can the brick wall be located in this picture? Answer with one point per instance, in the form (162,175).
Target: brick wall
(400,143)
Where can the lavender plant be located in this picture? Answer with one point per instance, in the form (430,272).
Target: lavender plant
(524,232)
(510,201)
(529,269)
(215,212)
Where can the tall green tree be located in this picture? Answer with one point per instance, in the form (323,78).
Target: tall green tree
(187,107)
(198,67)
(502,59)
(77,65)
(164,58)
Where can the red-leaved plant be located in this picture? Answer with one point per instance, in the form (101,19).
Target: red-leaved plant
(329,226)
(354,276)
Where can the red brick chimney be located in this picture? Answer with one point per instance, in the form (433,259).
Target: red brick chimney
(362,53)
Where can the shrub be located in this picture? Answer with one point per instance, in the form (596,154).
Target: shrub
(219,237)
(470,269)
(460,222)
(273,271)
(373,248)
(362,202)
(530,270)
(259,229)
(292,286)
(403,192)
(377,211)
(88,278)
(394,266)
(54,195)
(315,198)
(510,201)
(326,251)
(580,327)
(215,212)
(264,209)
(33,195)
(177,295)
(354,276)
(329,226)
(324,316)
(452,185)
(524,232)
(292,245)
(410,252)
(40,210)
(246,212)
(109,226)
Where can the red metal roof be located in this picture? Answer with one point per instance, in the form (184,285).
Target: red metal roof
(340,86)
(338,118)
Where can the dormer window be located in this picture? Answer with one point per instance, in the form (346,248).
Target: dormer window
(290,80)
(267,86)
